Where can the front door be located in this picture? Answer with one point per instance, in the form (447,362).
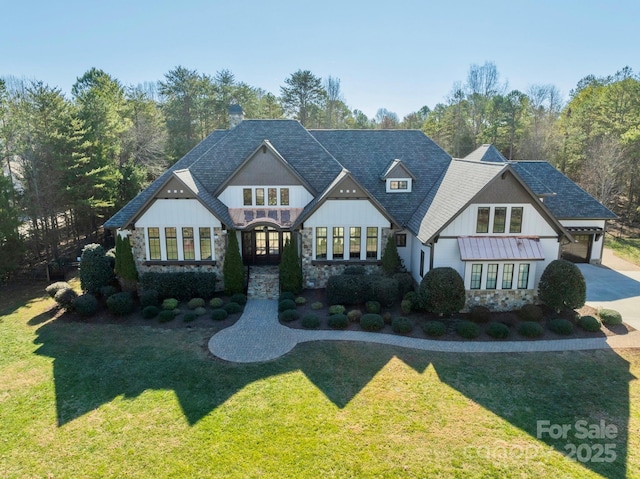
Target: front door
(262,245)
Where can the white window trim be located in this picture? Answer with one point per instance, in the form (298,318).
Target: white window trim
(407,190)
(180,241)
(492,215)
(485,269)
(347,241)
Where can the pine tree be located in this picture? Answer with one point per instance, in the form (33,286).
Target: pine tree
(11,245)
(232,269)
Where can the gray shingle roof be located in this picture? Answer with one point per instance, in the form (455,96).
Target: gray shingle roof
(487,153)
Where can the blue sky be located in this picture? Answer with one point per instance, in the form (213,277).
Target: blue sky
(399,55)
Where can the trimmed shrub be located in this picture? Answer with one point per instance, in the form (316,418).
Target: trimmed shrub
(354,270)
(170,304)
(65,298)
(561,326)
(190,316)
(405,306)
(382,289)
(125,265)
(95,269)
(166,316)
(401,325)
(286,304)
(347,288)
(289,315)
(200,311)
(232,308)
(108,290)
(195,303)
(338,321)
(150,312)
(287,295)
(434,328)
(219,314)
(354,315)
(149,297)
(182,286)
(405,284)
(413,298)
(442,291)
(300,300)
(373,307)
(233,269)
(467,329)
(216,302)
(391,262)
(498,330)
(317,305)
(387,317)
(53,288)
(86,305)
(177,312)
(371,322)
(530,312)
(120,304)
(480,314)
(589,323)
(562,286)
(290,270)
(239,298)
(336,309)
(310,321)
(610,317)
(530,329)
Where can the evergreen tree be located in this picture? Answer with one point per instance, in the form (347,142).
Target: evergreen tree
(232,269)
(391,262)
(125,267)
(290,270)
(562,286)
(95,269)
(11,245)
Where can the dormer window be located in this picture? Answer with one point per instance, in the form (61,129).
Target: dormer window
(398,185)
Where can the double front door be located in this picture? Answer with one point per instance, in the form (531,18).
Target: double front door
(263,245)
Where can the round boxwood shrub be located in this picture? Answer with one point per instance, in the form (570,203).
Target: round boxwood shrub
(562,286)
(177,312)
(336,309)
(216,302)
(149,297)
(442,291)
(413,298)
(120,304)
(289,315)
(387,317)
(239,298)
(406,306)
(170,304)
(530,312)
(383,290)
(401,325)
(467,329)
(200,311)
(530,329)
(287,295)
(53,288)
(108,290)
(286,304)
(589,323)
(371,322)
(338,321)
(561,326)
(480,314)
(150,312)
(354,315)
(373,307)
(219,314)
(310,321)
(498,330)
(65,298)
(232,308)
(434,328)
(166,315)
(317,305)
(300,300)
(195,303)
(610,317)
(86,305)
(189,316)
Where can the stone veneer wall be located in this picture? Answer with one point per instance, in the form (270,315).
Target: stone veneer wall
(140,256)
(501,299)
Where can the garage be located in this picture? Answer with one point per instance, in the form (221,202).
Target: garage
(578,251)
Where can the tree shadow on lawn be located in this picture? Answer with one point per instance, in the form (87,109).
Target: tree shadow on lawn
(93,364)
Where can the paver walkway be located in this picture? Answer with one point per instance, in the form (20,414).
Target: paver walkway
(258,336)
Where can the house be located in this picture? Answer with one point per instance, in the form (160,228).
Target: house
(344,192)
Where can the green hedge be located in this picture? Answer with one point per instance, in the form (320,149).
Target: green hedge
(434,328)
(289,315)
(232,308)
(219,314)
(182,286)
(401,325)
(498,330)
(150,312)
(371,322)
(338,321)
(467,329)
(310,321)
(561,326)
(530,329)
(120,304)
(589,323)
(86,305)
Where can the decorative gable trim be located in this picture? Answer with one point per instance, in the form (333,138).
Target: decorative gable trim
(397,169)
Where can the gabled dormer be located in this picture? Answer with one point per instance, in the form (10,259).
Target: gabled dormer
(398,177)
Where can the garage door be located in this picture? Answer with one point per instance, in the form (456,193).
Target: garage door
(580,251)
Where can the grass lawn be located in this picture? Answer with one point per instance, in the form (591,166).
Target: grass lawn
(626,248)
(109,400)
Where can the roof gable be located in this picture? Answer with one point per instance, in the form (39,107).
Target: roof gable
(488,153)
(397,169)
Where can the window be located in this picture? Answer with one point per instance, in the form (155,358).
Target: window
(421,263)
(247,196)
(476,276)
(499,220)
(205,243)
(523,276)
(515,226)
(354,242)
(284,196)
(172,243)
(507,276)
(372,242)
(401,240)
(273,196)
(482,226)
(188,246)
(492,276)
(399,185)
(260,196)
(338,242)
(154,243)
(321,243)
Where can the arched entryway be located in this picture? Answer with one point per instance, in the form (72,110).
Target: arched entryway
(263,245)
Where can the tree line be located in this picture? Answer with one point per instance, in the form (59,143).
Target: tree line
(71,162)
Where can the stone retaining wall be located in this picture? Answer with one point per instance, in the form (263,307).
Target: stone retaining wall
(501,299)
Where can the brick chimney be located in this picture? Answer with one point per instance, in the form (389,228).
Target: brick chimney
(236,115)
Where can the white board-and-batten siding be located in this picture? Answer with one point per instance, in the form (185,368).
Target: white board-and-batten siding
(347,213)
(178,213)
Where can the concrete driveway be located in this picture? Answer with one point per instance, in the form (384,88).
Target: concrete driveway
(614,285)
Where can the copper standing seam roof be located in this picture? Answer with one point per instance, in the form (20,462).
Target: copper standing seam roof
(500,248)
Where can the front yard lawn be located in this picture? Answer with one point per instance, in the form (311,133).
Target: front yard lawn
(108,400)
(625,248)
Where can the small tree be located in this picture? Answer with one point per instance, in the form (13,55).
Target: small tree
(125,264)
(391,262)
(442,291)
(562,286)
(232,269)
(95,269)
(290,271)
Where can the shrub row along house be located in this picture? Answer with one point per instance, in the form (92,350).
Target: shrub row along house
(344,192)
